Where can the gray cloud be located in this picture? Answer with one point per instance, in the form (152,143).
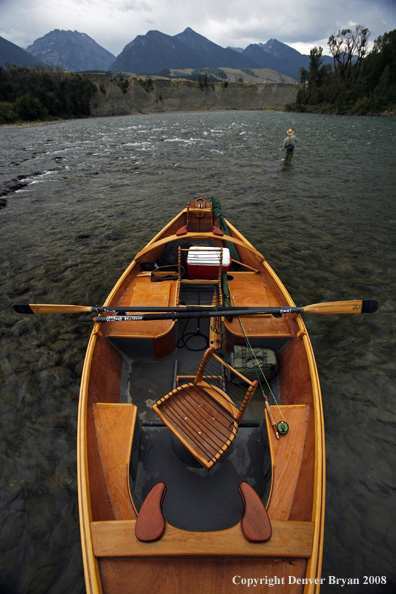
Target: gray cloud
(114,23)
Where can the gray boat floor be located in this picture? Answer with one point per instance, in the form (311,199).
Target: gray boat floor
(196,499)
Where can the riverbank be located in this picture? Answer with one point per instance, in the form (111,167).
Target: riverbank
(132,96)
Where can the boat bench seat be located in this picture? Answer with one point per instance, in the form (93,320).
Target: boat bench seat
(290,539)
(287,454)
(143,292)
(248,289)
(114,426)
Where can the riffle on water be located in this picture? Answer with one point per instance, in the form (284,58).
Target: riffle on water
(84,196)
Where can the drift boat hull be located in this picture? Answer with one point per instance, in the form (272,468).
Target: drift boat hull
(124,451)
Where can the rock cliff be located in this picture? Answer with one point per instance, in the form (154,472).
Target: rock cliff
(130,96)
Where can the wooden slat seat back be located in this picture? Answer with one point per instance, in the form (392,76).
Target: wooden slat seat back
(114,427)
(202,416)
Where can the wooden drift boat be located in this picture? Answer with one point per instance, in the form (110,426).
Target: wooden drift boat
(152,515)
(200,430)
(201,460)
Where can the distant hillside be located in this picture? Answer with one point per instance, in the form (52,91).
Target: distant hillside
(71,50)
(12,54)
(155,52)
(246,75)
(280,57)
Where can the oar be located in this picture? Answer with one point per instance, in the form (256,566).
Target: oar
(361,306)
(163,313)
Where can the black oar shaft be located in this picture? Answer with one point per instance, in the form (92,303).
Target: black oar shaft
(175,315)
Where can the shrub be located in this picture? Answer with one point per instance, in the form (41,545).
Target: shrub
(30,108)
(7,113)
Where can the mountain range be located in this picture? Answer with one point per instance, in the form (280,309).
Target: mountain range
(153,53)
(13,54)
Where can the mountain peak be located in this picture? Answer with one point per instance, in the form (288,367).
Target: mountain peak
(279,49)
(155,52)
(70,50)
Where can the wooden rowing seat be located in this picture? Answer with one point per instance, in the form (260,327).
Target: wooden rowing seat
(249,289)
(203,416)
(161,333)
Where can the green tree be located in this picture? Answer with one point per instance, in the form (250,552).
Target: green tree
(313,79)
(30,108)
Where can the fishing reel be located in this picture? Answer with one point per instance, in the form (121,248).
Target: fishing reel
(282,428)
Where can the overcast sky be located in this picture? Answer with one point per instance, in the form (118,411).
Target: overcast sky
(301,24)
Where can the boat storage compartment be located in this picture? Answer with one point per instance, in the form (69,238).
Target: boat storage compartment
(204,262)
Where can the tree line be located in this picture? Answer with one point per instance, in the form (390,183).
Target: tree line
(42,94)
(360,82)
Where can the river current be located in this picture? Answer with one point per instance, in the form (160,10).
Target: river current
(82,197)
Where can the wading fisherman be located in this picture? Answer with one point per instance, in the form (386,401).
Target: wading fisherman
(289,144)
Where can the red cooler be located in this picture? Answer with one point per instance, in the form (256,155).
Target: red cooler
(204,262)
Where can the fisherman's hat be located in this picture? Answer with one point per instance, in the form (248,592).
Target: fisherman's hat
(290,132)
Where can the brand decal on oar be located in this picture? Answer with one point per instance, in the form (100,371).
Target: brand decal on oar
(120,318)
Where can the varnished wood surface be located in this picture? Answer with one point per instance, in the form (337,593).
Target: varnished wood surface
(288,452)
(249,290)
(150,524)
(117,539)
(255,523)
(114,425)
(149,294)
(204,424)
(200,575)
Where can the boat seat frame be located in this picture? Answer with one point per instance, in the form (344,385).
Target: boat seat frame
(202,416)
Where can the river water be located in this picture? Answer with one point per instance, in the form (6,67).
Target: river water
(84,196)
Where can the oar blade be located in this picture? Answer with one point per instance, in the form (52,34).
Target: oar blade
(343,307)
(37,308)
